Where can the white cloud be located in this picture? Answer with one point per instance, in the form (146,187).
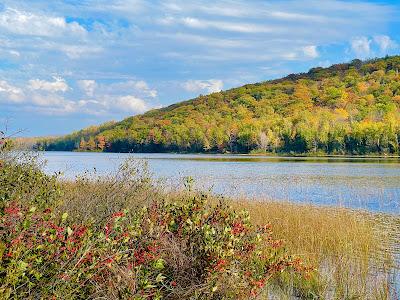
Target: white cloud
(70,50)
(34,34)
(259,31)
(127,8)
(245,28)
(142,86)
(210,86)
(279,10)
(365,47)
(131,96)
(136,88)
(282,15)
(139,87)
(227,26)
(222,9)
(204,40)
(127,97)
(35,100)
(58,85)
(384,43)
(88,86)
(15,53)
(361,46)
(131,104)
(52,100)
(311,51)
(77,51)
(289,55)
(28,23)
(10,93)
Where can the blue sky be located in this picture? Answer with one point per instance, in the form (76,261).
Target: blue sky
(69,64)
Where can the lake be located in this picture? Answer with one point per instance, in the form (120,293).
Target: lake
(365,183)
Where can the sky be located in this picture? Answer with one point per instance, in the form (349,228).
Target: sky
(69,64)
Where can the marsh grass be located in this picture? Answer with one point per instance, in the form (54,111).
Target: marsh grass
(91,197)
(354,252)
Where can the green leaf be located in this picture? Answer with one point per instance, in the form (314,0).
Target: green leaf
(64,216)
(22,266)
(159,264)
(160,278)
(149,286)
(2,249)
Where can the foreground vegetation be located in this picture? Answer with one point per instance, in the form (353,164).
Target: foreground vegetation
(118,237)
(124,236)
(349,108)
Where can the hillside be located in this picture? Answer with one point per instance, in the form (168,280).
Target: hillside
(349,108)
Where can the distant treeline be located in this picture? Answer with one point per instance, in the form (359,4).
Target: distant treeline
(349,108)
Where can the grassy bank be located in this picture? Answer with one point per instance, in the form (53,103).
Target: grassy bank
(124,236)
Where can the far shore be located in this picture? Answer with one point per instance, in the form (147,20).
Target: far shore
(256,155)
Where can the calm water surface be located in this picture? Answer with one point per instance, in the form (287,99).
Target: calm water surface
(372,184)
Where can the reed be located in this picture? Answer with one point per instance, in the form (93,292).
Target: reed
(353,251)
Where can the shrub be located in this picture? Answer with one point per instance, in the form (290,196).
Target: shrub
(189,249)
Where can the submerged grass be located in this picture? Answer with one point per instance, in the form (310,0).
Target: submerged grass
(353,253)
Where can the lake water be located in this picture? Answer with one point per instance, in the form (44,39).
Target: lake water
(371,184)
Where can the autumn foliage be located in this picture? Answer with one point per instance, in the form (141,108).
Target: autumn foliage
(188,249)
(351,108)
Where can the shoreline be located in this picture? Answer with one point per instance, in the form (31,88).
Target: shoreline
(278,156)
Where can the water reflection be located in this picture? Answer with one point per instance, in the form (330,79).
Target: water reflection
(367,183)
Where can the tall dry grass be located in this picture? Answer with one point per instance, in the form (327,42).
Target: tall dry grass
(354,252)
(92,197)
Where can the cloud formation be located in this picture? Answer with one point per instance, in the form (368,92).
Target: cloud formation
(385,43)
(115,58)
(131,104)
(58,85)
(208,86)
(28,23)
(366,47)
(88,86)
(9,93)
(311,51)
(51,97)
(361,47)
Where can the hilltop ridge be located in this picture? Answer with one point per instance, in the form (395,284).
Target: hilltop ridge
(349,108)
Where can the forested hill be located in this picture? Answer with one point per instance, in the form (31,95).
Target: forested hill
(349,108)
